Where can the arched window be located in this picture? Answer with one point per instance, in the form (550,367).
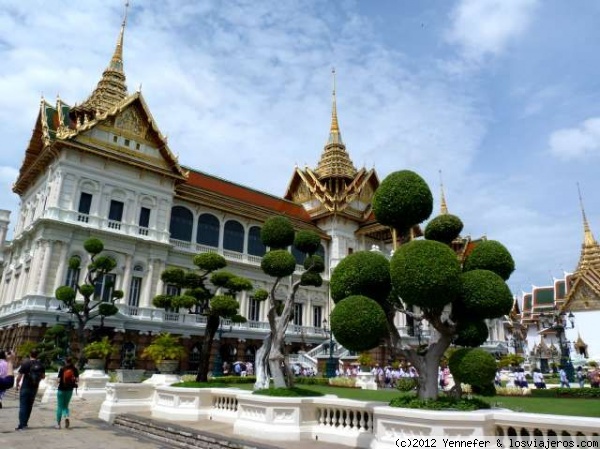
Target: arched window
(255,244)
(321,252)
(208,230)
(298,255)
(182,222)
(233,237)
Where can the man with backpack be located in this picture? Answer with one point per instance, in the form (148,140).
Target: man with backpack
(31,373)
(68,376)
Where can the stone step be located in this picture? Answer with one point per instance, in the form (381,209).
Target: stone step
(179,436)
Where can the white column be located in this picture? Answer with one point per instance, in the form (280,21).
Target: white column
(126,281)
(147,293)
(49,245)
(34,269)
(62,265)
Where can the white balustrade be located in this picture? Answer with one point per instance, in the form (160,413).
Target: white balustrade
(343,421)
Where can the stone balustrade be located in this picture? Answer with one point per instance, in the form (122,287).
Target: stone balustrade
(343,421)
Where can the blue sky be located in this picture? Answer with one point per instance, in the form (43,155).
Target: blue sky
(502,95)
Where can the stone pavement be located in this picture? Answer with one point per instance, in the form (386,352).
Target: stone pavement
(86,431)
(89,432)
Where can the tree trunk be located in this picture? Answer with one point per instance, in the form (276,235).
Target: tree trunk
(212,325)
(261,365)
(276,362)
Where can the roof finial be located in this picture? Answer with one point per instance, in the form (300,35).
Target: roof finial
(443,205)
(116,63)
(588,238)
(334,136)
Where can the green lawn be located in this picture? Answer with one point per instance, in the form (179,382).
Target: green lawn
(553,406)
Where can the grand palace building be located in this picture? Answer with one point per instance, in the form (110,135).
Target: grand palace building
(103,169)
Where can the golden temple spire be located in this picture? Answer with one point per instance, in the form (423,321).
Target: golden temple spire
(443,205)
(335,162)
(588,237)
(334,133)
(116,62)
(111,88)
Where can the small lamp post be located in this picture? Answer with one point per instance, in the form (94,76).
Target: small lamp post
(217,370)
(331,362)
(559,321)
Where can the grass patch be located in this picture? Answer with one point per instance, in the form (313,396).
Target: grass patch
(193,384)
(441,403)
(294,392)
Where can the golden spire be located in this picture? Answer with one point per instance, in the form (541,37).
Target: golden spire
(111,88)
(443,206)
(588,237)
(334,133)
(335,162)
(116,62)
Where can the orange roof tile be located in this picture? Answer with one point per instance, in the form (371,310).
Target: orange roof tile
(247,195)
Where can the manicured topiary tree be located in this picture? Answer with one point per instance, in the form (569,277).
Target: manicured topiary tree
(428,281)
(278,234)
(82,301)
(358,315)
(473,366)
(210,291)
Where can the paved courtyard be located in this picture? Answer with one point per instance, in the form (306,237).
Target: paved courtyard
(87,431)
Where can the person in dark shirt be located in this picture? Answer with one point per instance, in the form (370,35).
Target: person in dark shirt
(31,373)
(68,377)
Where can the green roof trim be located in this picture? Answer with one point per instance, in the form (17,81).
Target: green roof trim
(543,296)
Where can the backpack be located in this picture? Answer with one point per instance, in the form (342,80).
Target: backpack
(36,373)
(68,378)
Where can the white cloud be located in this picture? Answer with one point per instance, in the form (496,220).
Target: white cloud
(578,142)
(486,27)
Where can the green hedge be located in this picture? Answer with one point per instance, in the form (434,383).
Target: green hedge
(293,392)
(583,393)
(311,381)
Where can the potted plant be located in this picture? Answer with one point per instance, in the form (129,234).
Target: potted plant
(365,360)
(128,372)
(96,353)
(165,351)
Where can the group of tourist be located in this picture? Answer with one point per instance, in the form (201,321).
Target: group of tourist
(385,377)
(29,375)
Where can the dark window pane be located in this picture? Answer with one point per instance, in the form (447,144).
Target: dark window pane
(144,217)
(208,230)
(85,203)
(255,245)
(299,256)
(182,222)
(105,287)
(116,211)
(233,237)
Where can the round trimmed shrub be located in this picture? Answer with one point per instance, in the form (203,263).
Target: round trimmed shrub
(278,263)
(277,233)
(402,200)
(87,290)
(444,228)
(224,305)
(491,255)
(74,262)
(426,273)
(209,261)
(314,263)
(93,246)
(484,294)
(173,276)
(183,302)
(358,323)
(107,309)
(104,263)
(475,367)
(310,278)
(471,333)
(261,294)
(361,273)
(221,278)
(162,301)
(307,242)
(65,294)
(455,362)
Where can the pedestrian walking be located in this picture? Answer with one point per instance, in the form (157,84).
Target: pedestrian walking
(564,381)
(31,372)
(7,376)
(68,377)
